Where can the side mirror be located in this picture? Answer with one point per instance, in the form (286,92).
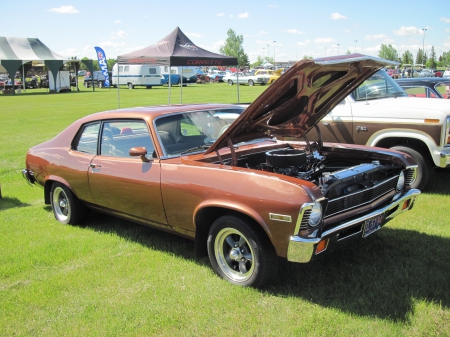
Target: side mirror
(139,151)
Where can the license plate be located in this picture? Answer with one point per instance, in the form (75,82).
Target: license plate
(372,225)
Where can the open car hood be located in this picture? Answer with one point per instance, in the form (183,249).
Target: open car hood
(300,98)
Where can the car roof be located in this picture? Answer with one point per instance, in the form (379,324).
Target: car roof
(422,80)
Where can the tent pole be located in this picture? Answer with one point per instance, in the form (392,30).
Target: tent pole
(181,88)
(170,82)
(237,82)
(23,79)
(118,86)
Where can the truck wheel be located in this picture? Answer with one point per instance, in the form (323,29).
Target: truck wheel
(239,254)
(130,86)
(230,82)
(251,83)
(100,84)
(424,170)
(67,208)
(148,87)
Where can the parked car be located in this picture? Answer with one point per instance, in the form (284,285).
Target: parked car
(438,73)
(426,87)
(243,196)
(427,73)
(380,113)
(217,76)
(99,79)
(245,78)
(446,73)
(81,72)
(394,73)
(276,74)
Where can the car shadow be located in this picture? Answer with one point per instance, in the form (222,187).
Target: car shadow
(7,203)
(377,277)
(440,183)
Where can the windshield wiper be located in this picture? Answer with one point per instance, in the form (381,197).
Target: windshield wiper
(397,94)
(195,149)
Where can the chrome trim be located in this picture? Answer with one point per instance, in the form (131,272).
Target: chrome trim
(303,223)
(278,217)
(301,249)
(447,131)
(28,176)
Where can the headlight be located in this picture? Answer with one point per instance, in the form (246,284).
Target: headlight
(400,182)
(316,215)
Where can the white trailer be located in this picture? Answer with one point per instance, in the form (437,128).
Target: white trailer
(133,75)
(62,81)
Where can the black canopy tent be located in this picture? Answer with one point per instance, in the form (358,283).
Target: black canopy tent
(176,49)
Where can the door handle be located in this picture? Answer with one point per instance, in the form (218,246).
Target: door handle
(94,166)
(326,123)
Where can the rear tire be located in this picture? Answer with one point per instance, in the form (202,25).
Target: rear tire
(239,253)
(130,86)
(424,170)
(100,84)
(230,82)
(251,83)
(67,208)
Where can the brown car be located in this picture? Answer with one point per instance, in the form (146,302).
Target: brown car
(243,196)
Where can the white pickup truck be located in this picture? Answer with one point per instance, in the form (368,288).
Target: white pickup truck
(379,113)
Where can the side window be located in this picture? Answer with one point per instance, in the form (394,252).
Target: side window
(152,71)
(416,91)
(87,141)
(119,136)
(126,68)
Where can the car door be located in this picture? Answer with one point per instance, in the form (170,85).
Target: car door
(126,185)
(337,125)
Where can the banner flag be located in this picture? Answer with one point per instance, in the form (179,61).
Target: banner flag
(103,64)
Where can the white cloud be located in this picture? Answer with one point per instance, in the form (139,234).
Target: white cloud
(337,16)
(263,32)
(111,44)
(375,37)
(194,35)
(294,31)
(301,44)
(273,6)
(64,10)
(220,14)
(243,15)
(447,30)
(446,20)
(408,31)
(324,40)
(348,31)
(117,21)
(119,35)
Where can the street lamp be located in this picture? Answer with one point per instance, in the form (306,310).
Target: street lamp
(423,45)
(268,55)
(274,52)
(338,48)
(264,50)
(355,45)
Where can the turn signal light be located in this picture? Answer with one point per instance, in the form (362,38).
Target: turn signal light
(406,204)
(321,246)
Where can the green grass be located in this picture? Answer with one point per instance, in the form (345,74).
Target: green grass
(110,277)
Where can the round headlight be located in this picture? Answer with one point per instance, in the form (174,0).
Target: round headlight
(401,181)
(316,215)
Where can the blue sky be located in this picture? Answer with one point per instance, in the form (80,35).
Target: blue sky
(73,28)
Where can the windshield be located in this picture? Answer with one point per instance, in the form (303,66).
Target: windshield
(379,85)
(190,131)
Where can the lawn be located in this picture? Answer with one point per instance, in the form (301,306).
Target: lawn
(110,277)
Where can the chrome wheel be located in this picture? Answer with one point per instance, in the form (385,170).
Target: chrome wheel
(61,204)
(234,255)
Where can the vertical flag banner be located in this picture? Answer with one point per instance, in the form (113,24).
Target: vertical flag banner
(103,64)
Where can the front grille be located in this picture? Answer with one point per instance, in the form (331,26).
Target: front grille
(305,219)
(410,176)
(360,198)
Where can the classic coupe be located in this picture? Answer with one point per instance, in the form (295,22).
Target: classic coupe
(245,78)
(217,174)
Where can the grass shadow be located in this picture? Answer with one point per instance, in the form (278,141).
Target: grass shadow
(7,202)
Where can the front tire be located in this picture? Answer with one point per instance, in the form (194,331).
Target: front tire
(130,86)
(100,84)
(67,208)
(424,170)
(251,83)
(230,82)
(240,254)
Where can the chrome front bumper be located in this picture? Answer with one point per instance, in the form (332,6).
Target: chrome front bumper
(303,249)
(28,176)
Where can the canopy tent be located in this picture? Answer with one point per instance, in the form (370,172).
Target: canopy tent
(176,49)
(18,52)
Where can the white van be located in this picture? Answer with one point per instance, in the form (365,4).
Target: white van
(133,75)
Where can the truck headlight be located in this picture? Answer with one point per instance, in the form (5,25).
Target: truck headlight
(315,215)
(401,181)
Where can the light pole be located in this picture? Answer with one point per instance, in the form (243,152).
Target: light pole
(338,48)
(423,45)
(355,45)
(264,50)
(274,53)
(268,55)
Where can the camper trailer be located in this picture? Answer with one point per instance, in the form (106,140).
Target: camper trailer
(133,75)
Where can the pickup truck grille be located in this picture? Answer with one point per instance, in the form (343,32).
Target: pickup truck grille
(360,198)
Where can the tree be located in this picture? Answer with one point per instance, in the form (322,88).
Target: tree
(421,57)
(111,63)
(431,63)
(407,58)
(233,47)
(388,52)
